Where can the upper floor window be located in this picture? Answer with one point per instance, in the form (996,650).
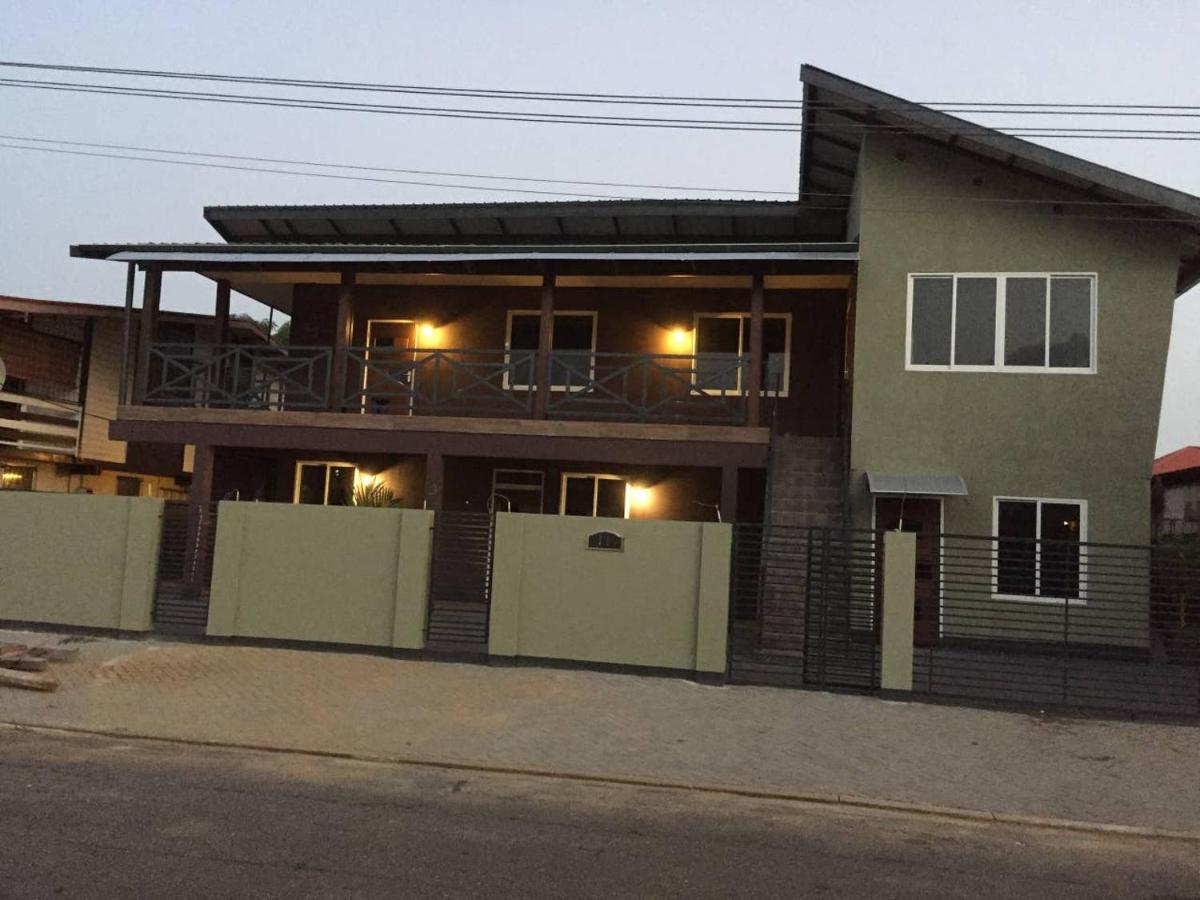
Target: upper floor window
(593,495)
(1010,323)
(722,348)
(572,343)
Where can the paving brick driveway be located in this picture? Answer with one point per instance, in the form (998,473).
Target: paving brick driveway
(630,726)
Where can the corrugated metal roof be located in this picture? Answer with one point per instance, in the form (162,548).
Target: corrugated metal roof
(544,221)
(917,485)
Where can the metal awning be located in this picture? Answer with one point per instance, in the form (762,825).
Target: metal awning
(916,485)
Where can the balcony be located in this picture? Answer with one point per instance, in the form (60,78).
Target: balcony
(707,388)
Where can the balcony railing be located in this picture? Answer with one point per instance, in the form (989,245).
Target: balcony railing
(706,388)
(237,376)
(647,388)
(437,382)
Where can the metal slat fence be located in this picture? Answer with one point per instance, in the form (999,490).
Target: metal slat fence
(1059,623)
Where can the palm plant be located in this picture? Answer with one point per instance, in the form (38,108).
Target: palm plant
(376,495)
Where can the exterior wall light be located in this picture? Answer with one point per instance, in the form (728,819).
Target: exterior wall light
(639,496)
(428,332)
(680,339)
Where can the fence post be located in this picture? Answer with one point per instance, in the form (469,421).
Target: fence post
(899,590)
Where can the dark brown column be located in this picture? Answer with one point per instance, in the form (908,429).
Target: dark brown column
(341,339)
(148,333)
(127,360)
(221,314)
(545,339)
(754,375)
(729,490)
(435,479)
(199,503)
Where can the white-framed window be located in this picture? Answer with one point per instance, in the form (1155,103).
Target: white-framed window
(1039,554)
(721,346)
(1002,322)
(593,494)
(324,482)
(573,343)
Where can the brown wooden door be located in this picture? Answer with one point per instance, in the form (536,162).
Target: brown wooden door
(923,516)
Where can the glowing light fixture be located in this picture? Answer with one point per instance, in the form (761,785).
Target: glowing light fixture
(428,332)
(639,495)
(365,480)
(679,338)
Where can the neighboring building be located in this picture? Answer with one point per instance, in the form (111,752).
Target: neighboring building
(1177,492)
(60,392)
(949,326)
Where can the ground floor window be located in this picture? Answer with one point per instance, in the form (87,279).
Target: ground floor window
(594,495)
(1038,548)
(324,483)
(16,478)
(128,486)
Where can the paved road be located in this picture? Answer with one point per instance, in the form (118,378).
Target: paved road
(96,817)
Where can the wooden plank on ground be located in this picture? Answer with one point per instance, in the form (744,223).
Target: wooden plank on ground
(33,681)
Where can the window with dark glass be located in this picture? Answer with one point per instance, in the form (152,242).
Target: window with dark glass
(723,348)
(1038,548)
(1002,322)
(325,484)
(572,345)
(593,495)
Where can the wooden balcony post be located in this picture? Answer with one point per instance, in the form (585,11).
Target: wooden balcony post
(221,314)
(541,378)
(753,380)
(127,336)
(729,492)
(148,333)
(435,479)
(341,340)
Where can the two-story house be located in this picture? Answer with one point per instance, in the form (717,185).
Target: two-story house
(949,329)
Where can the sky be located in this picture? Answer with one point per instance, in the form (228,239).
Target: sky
(1047,51)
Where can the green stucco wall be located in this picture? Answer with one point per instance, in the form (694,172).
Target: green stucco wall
(660,602)
(332,574)
(78,559)
(1092,437)
(1071,436)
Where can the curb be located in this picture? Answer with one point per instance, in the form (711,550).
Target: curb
(852,801)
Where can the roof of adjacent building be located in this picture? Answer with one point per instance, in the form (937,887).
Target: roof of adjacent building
(38,307)
(1178,461)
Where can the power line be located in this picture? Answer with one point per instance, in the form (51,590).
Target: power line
(807,206)
(362,168)
(635,122)
(979,106)
(330,175)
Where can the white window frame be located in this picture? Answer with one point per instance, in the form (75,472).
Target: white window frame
(744,318)
(510,385)
(598,476)
(328,464)
(1001,322)
(1081,600)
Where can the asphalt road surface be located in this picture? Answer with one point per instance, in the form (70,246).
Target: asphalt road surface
(85,816)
